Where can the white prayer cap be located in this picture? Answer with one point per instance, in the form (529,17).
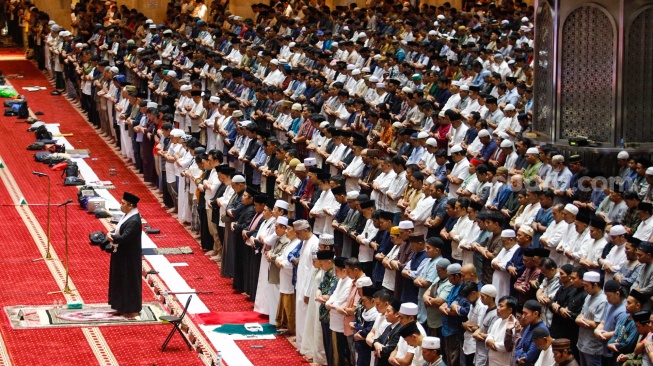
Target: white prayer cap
(455,83)
(237,113)
(649,171)
(454,268)
(282,220)
(351,67)
(464,87)
(504,135)
(571,208)
(524,28)
(65,34)
(214,99)
(397,125)
(184,87)
(380,85)
(432,142)
(140,49)
(483,133)
(259,54)
(373,79)
(435,24)
(363,281)
(489,290)
(558,158)
(456,148)
(296,107)
(526,230)
(149,21)
(300,167)
(406,89)
(274,61)
(355,72)
(408,308)
(423,135)
(152,105)
(281,204)
(114,70)
(623,155)
(441,17)
(334,44)
(324,124)
(283,61)
(406,225)
(511,62)
(345,28)
(362,35)
(351,195)
(431,179)
(238,179)
(326,239)
(533,150)
(291,44)
(159,63)
(508,233)
(173,74)
(176,132)
(52,22)
(432,32)
(506,144)
(617,230)
(509,107)
(431,343)
(505,22)
(152,26)
(310,161)
(524,20)
(592,276)
(301,225)
(366,70)
(79,45)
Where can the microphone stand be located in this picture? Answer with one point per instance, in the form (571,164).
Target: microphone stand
(66,288)
(48,256)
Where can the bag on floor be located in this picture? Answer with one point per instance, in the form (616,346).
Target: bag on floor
(74,181)
(84,194)
(56,148)
(42,133)
(60,166)
(42,157)
(101,214)
(71,170)
(23,112)
(36,146)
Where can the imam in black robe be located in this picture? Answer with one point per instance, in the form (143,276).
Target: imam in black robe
(125,288)
(241,256)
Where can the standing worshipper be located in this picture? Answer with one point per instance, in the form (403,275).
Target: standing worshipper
(233,209)
(125,289)
(252,253)
(304,266)
(241,256)
(312,345)
(262,243)
(285,315)
(589,346)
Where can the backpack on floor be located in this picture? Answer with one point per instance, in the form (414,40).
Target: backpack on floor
(42,133)
(36,146)
(42,157)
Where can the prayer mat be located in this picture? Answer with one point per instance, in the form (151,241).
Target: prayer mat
(240,329)
(167,251)
(91,315)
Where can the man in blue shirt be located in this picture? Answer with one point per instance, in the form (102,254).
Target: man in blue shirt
(454,313)
(526,351)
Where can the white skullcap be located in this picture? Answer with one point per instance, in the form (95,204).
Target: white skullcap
(380,85)
(483,133)
(592,276)
(511,62)
(524,20)
(52,22)
(351,195)
(464,87)
(173,74)
(291,44)
(433,33)
(296,107)
(324,124)
(508,233)
(408,308)
(158,63)
(79,45)
(140,49)
(281,204)
(114,70)
(431,343)
(455,83)
(301,225)
(509,107)
(282,220)
(274,61)
(431,179)
(533,150)
(397,125)
(432,142)
(176,132)
(423,135)
(506,144)
(334,44)
(152,26)
(504,22)
(283,61)
(406,89)
(456,148)
(374,79)
(526,230)
(366,70)
(406,225)
(152,105)
(310,161)
(351,67)
(238,179)
(441,17)
(617,230)
(649,171)
(184,87)
(572,209)
(362,35)
(623,155)
(214,99)
(436,24)
(149,21)
(355,72)
(489,290)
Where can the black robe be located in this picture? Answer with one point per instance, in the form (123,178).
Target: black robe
(252,259)
(241,251)
(125,288)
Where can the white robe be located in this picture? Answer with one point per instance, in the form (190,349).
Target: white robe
(312,345)
(497,333)
(501,277)
(266,235)
(323,220)
(304,269)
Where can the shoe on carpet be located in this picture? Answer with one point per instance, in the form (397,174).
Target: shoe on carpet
(54,92)
(39,113)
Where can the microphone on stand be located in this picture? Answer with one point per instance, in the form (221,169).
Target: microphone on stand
(40,174)
(65,203)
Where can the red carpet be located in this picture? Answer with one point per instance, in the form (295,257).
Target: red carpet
(89,266)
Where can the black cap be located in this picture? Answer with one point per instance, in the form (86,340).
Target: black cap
(416,238)
(367,204)
(642,298)
(338,190)
(369,291)
(261,198)
(612,286)
(251,191)
(387,215)
(325,254)
(645,206)
(409,329)
(642,317)
(598,224)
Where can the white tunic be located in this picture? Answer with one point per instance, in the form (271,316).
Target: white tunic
(365,252)
(553,235)
(497,333)
(325,208)
(266,234)
(501,277)
(337,299)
